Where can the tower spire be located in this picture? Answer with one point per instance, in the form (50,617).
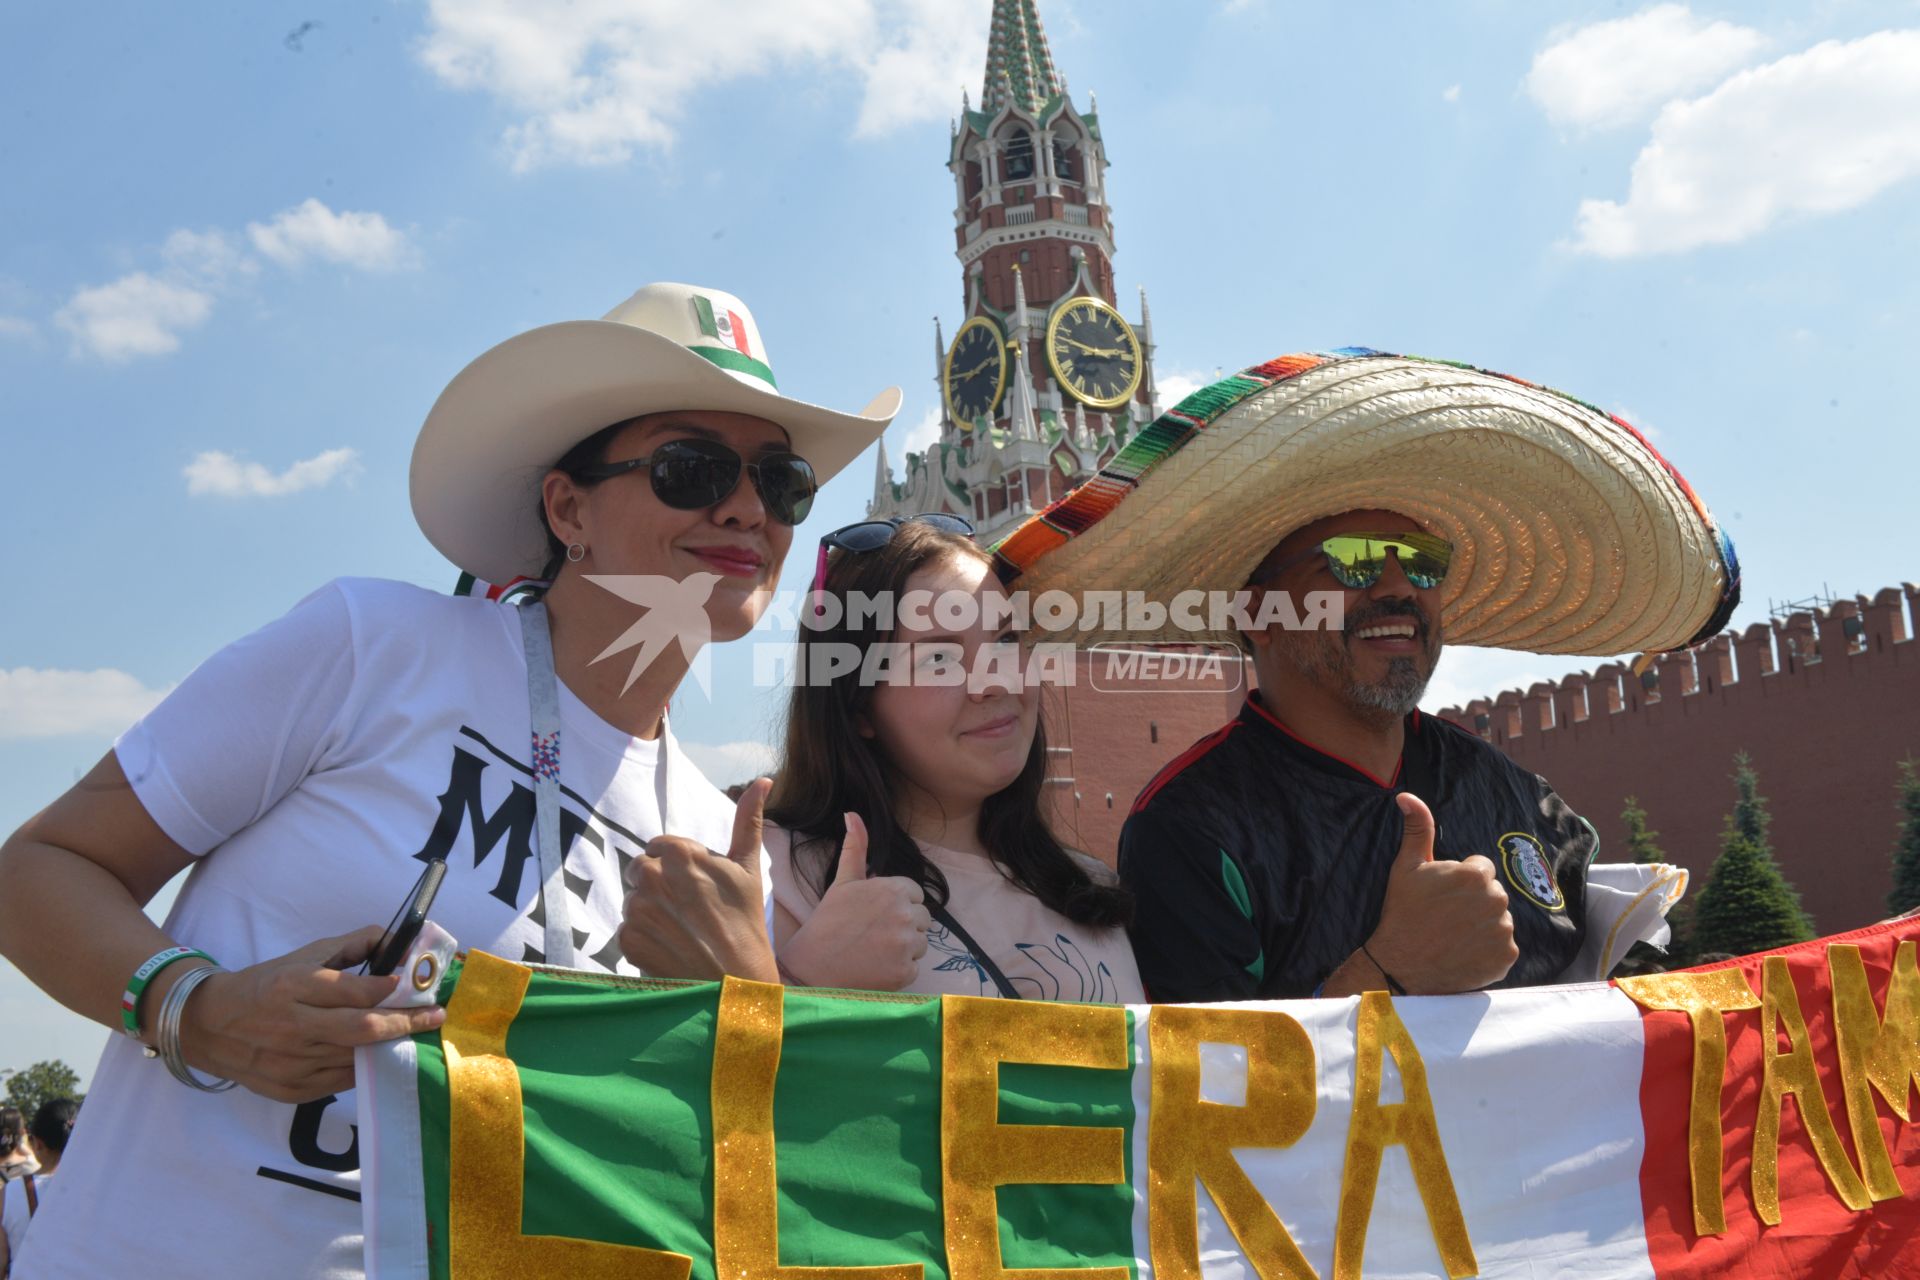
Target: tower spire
(1019,64)
(1021,407)
(1146,356)
(940,370)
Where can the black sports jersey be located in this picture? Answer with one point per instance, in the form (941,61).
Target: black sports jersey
(1259,863)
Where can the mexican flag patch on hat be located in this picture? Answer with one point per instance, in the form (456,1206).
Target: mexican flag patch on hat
(718,322)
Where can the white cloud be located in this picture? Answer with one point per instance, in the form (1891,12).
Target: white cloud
(1616,72)
(145,313)
(1468,673)
(18,327)
(37,703)
(595,79)
(1175,385)
(1812,133)
(136,315)
(730,762)
(222,475)
(209,258)
(922,435)
(1646,429)
(311,230)
(929,52)
(1450,94)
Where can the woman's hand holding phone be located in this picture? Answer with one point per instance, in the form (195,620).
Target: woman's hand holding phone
(286,1028)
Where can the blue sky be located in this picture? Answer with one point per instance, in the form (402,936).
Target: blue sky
(243,253)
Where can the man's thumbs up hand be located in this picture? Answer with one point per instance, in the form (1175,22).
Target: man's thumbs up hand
(1444,926)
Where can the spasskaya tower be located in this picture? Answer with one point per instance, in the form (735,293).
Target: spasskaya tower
(1044,378)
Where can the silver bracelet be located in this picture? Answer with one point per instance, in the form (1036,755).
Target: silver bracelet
(167,1030)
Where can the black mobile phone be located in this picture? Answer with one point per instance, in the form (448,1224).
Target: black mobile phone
(405,925)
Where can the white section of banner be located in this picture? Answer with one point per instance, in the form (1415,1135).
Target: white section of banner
(392,1182)
(393,1220)
(1537,1098)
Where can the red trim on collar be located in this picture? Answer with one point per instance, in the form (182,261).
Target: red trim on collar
(1173,767)
(1253,701)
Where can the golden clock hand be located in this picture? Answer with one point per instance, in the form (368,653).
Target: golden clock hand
(1095,351)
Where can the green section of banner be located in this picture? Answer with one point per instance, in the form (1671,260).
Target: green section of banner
(616,1088)
(1072,1225)
(859,1166)
(856,1119)
(619,1120)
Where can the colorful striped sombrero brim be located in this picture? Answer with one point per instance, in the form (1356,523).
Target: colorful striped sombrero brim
(1572,533)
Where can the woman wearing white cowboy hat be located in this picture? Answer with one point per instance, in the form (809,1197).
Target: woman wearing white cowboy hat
(307,772)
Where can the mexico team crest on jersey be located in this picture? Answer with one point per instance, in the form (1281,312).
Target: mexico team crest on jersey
(1529,871)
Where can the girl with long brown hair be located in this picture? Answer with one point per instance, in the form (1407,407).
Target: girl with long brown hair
(911,849)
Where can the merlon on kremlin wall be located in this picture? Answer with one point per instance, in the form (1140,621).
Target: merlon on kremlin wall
(1824,702)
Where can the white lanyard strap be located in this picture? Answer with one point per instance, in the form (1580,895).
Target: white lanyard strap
(543,701)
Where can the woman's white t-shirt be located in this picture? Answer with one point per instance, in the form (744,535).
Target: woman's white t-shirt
(1044,955)
(317,763)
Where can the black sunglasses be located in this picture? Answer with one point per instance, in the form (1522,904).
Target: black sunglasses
(690,474)
(871,535)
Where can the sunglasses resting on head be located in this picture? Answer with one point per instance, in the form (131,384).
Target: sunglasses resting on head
(1357,560)
(871,535)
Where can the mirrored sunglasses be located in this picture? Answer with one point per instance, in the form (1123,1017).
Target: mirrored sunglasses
(1357,560)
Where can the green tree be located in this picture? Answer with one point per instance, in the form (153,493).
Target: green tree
(1642,844)
(1750,817)
(40,1082)
(1748,905)
(1906,852)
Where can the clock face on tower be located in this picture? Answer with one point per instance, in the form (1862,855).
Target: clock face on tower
(976,372)
(1094,353)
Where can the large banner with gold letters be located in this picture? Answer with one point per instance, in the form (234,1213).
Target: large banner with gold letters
(1753,1119)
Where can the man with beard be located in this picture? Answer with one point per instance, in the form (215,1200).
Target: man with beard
(1331,839)
(1293,852)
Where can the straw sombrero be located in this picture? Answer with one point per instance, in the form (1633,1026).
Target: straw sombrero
(512,413)
(1571,533)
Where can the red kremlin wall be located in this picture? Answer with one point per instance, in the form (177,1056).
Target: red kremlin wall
(1826,704)
(1109,732)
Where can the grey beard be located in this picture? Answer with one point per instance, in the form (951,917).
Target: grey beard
(1397,695)
(1390,699)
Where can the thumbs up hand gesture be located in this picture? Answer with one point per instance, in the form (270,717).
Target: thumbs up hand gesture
(1444,926)
(692,913)
(868,932)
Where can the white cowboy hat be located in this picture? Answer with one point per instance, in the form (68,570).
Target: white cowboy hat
(1571,533)
(506,418)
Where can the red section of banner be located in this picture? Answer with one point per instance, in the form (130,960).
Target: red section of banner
(1817,1234)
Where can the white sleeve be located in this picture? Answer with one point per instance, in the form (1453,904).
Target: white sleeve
(245,727)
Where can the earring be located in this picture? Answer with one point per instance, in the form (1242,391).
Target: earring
(576,553)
